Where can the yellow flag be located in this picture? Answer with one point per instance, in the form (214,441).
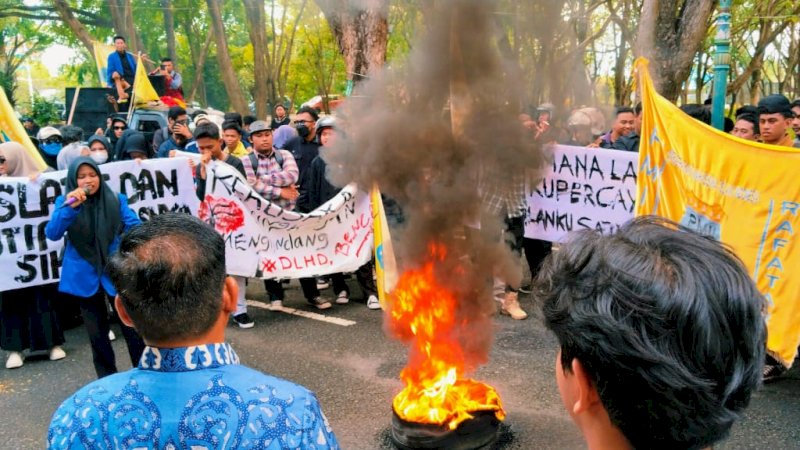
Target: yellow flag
(385,263)
(143,91)
(101,52)
(742,193)
(11,129)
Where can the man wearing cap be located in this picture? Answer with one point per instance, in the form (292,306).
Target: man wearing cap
(273,173)
(774,119)
(50,143)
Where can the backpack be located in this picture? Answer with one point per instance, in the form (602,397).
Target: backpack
(254,159)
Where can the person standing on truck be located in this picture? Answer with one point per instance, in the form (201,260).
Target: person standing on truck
(172,79)
(121,68)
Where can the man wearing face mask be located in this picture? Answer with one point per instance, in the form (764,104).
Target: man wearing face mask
(50,143)
(304,147)
(99,148)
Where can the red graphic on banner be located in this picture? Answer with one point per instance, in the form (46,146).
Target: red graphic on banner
(268,265)
(222,213)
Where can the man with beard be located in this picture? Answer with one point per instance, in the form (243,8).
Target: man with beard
(180,135)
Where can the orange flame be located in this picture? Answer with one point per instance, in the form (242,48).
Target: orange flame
(424,313)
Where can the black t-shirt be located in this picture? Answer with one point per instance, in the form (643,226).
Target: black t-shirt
(127,70)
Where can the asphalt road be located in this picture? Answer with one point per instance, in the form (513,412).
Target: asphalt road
(354,371)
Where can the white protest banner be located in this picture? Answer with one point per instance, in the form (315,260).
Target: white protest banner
(28,258)
(263,240)
(584,188)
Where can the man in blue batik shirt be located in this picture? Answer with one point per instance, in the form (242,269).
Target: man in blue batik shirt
(189,390)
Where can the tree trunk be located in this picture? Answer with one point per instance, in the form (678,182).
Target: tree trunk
(66,15)
(256,28)
(236,97)
(169,28)
(361,29)
(199,66)
(671,32)
(620,83)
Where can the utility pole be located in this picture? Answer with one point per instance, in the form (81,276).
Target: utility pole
(722,64)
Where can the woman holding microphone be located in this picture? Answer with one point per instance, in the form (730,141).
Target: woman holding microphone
(93,217)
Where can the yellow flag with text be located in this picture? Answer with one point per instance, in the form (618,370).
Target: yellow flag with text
(11,129)
(143,91)
(385,263)
(101,52)
(742,193)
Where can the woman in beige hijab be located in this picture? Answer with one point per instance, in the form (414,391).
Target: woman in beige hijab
(27,317)
(15,161)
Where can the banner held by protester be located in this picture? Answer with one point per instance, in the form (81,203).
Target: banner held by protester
(584,188)
(28,258)
(265,241)
(742,193)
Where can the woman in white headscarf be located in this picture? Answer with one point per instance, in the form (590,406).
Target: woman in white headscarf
(27,317)
(16,161)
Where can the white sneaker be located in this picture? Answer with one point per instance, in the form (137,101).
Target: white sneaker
(57,353)
(276,304)
(111,335)
(14,360)
(373,302)
(322,283)
(343,298)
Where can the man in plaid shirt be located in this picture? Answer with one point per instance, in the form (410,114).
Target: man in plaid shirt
(273,174)
(503,195)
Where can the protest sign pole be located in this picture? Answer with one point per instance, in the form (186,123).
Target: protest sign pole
(722,64)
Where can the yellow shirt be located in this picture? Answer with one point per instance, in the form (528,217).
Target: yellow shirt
(240,150)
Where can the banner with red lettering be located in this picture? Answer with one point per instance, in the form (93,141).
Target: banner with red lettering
(263,240)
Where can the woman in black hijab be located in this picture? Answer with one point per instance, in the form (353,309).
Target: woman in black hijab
(93,217)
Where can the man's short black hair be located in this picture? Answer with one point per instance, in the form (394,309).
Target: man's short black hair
(622,110)
(119,37)
(667,324)
(752,118)
(249,119)
(796,103)
(638,109)
(307,109)
(169,273)
(697,112)
(233,117)
(163,60)
(175,112)
(747,109)
(206,130)
(71,133)
(231,125)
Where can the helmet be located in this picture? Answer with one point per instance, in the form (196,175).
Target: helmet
(325,122)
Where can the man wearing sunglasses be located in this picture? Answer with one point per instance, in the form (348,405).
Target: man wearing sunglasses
(180,135)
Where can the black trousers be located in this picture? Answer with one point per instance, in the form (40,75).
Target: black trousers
(28,319)
(275,289)
(536,250)
(95,317)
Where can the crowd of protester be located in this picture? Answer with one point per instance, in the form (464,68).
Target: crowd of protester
(280,159)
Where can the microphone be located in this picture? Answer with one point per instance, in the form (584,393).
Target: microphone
(72,200)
